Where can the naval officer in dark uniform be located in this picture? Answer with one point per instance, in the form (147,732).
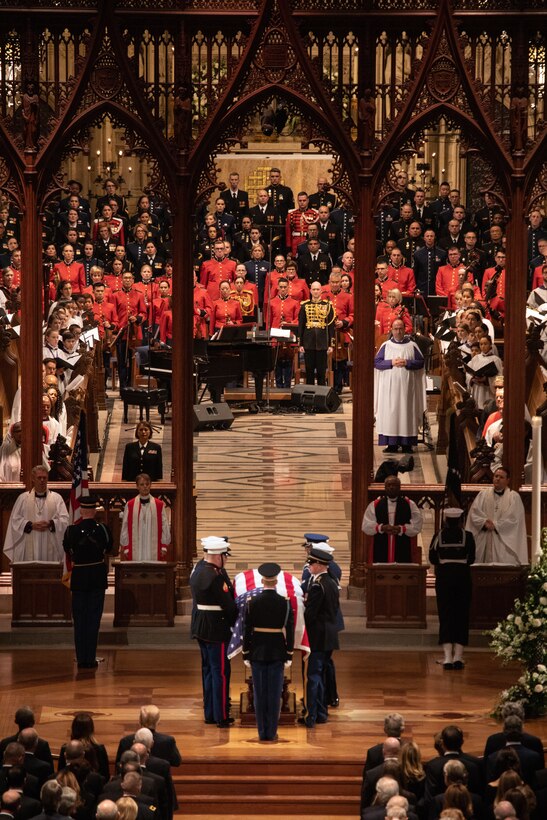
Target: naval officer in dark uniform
(452,551)
(268,644)
(321,542)
(142,456)
(87,544)
(320,616)
(215,614)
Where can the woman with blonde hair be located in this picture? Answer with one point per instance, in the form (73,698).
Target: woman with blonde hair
(413,774)
(127,808)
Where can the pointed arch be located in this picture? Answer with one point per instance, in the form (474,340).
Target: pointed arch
(320,130)
(412,129)
(93,116)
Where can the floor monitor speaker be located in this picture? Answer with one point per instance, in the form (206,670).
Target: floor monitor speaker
(212,417)
(321,398)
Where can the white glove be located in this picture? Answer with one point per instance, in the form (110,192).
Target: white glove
(247,664)
(288,664)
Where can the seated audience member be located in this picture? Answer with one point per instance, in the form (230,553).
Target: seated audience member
(394,726)
(530,761)
(83,730)
(24,719)
(498,740)
(165,746)
(390,752)
(452,741)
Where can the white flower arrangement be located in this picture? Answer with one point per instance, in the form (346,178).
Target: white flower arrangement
(522,637)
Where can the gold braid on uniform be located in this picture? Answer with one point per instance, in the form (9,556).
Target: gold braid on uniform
(316,314)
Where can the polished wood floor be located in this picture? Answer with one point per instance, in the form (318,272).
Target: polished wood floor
(371,683)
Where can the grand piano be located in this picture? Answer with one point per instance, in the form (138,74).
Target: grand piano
(218,362)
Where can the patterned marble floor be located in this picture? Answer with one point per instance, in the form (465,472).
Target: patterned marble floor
(272,477)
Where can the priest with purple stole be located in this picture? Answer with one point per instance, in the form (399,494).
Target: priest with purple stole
(399,391)
(392,520)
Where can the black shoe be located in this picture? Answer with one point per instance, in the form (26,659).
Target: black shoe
(391,448)
(407,448)
(458,665)
(304,722)
(448,666)
(88,665)
(210,722)
(225,724)
(334,704)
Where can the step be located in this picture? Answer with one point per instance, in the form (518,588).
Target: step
(192,786)
(260,768)
(260,804)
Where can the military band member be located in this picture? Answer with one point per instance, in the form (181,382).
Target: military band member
(216,270)
(281,196)
(214,615)
(268,644)
(131,312)
(235,199)
(320,615)
(323,195)
(283,311)
(226,311)
(316,334)
(247,298)
(314,263)
(87,543)
(298,219)
(343,308)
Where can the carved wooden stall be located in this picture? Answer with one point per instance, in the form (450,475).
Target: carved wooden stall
(373,84)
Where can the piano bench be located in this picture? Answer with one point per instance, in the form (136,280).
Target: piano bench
(144,399)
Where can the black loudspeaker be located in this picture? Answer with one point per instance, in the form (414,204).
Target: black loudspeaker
(321,399)
(212,417)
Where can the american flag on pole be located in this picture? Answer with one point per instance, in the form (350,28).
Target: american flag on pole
(248,584)
(80,485)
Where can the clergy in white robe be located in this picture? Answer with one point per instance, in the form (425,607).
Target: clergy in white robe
(10,454)
(496,519)
(399,390)
(482,388)
(146,533)
(37,523)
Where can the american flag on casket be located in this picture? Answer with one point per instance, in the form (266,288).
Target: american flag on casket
(248,584)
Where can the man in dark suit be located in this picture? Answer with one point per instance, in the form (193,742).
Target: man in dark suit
(311,233)
(151,785)
(131,786)
(236,200)
(10,805)
(28,806)
(390,751)
(455,773)
(422,212)
(14,755)
(531,761)
(329,232)
(314,265)
(498,740)
(91,783)
(24,718)
(157,765)
(165,746)
(394,726)
(452,742)
(28,739)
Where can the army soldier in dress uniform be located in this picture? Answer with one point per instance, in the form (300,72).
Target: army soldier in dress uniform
(215,613)
(268,644)
(320,615)
(315,332)
(87,543)
(451,552)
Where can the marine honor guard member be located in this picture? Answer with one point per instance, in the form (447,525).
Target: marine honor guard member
(268,644)
(87,543)
(214,616)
